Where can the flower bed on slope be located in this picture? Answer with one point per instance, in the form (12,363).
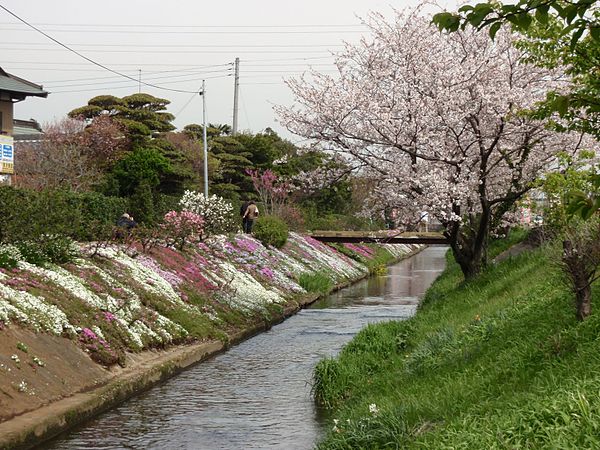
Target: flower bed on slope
(120,301)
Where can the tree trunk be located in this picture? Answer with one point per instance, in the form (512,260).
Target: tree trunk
(470,249)
(470,260)
(580,279)
(583,298)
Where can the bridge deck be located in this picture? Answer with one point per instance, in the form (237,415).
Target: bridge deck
(379,236)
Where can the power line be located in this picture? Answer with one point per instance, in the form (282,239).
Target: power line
(85,57)
(286,59)
(233,50)
(137,65)
(86,25)
(137,82)
(194,74)
(181,45)
(184,106)
(191,32)
(149,73)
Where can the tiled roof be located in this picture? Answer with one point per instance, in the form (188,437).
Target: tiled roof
(13,84)
(27,130)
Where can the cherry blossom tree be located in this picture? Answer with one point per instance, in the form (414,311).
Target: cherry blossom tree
(436,120)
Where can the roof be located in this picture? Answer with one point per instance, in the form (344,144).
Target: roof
(19,87)
(27,130)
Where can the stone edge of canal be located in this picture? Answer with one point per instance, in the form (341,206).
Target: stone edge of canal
(35,427)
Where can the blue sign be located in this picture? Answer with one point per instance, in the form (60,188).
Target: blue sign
(7,152)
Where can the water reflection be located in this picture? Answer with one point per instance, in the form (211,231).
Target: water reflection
(257,395)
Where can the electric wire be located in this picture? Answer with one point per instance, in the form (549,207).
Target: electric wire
(148,73)
(187,32)
(85,57)
(137,83)
(195,75)
(178,45)
(87,25)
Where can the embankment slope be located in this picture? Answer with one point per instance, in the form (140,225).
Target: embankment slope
(499,362)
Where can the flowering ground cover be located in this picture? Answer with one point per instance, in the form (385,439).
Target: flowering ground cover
(121,300)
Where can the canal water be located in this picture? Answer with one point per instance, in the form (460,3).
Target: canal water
(257,394)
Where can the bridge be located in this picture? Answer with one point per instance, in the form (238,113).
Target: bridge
(382,237)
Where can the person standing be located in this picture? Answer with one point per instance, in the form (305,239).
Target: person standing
(243,209)
(250,216)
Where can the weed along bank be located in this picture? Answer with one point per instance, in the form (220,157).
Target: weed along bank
(79,337)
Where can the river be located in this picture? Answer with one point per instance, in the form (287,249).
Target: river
(257,394)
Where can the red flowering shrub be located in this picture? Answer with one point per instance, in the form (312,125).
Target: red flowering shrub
(182,227)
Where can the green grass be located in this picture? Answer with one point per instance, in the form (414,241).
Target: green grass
(378,264)
(316,282)
(499,362)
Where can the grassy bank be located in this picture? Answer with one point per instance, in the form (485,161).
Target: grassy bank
(499,362)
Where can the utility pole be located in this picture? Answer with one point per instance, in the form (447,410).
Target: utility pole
(205,144)
(236,88)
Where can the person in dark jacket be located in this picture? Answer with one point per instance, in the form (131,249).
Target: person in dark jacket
(243,209)
(125,224)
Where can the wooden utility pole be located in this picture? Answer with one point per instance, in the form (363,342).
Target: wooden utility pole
(236,88)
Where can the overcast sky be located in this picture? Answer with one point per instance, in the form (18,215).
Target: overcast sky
(176,44)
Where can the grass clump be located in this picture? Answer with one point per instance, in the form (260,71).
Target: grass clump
(498,362)
(377,265)
(316,282)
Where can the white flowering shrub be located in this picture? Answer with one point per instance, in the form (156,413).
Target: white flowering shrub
(9,256)
(218,213)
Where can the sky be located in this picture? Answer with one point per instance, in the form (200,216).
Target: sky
(175,45)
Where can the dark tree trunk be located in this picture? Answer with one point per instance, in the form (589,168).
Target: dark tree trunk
(583,299)
(470,248)
(470,258)
(580,277)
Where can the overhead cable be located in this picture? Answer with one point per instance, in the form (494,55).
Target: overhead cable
(89,59)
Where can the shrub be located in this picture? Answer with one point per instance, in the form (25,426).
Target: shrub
(27,215)
(9,256)
(271,231)
(217,213)
(59,249)
(32,252)
(181,227)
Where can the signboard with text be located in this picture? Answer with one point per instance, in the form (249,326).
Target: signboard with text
(7,149)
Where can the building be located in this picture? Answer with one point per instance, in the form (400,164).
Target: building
(29,131)
(12,90)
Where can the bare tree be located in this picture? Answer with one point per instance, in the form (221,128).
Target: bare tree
(71,155)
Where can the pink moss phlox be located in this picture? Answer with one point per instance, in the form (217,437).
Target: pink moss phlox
(316,244)
(362,250)
(95,286)
(88,334)
(109,317)
(248,245)
(23,284)
(267,272)
(168,275)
